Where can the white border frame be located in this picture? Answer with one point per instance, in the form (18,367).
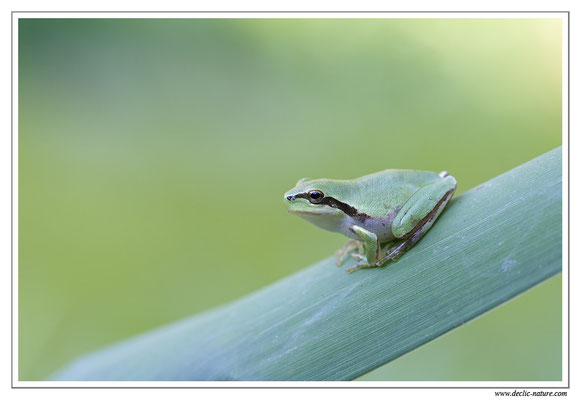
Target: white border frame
(503,385)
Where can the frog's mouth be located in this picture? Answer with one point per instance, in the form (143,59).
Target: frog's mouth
(321,211)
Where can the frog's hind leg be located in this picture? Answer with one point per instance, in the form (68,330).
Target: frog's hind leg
(419,214)
(397,251)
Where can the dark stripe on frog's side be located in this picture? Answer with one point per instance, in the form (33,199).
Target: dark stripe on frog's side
(334,203)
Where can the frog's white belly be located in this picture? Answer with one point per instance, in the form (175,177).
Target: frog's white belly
(341,223)
(380,226)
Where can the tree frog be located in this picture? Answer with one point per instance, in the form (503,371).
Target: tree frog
(384,214)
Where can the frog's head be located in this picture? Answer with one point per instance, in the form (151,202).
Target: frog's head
(320,201)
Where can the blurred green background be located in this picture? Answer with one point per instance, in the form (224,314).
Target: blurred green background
(153,155)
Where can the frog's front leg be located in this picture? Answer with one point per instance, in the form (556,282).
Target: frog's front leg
(369,257)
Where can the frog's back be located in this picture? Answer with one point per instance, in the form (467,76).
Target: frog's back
(401,178)
(386,191)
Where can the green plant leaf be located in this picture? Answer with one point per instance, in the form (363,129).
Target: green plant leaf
(492,243)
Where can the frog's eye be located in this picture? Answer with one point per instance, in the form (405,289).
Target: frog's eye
(316,196)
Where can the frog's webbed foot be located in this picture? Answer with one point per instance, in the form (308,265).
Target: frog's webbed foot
(388,250)
(349,247)
(361,265)
(394,253)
